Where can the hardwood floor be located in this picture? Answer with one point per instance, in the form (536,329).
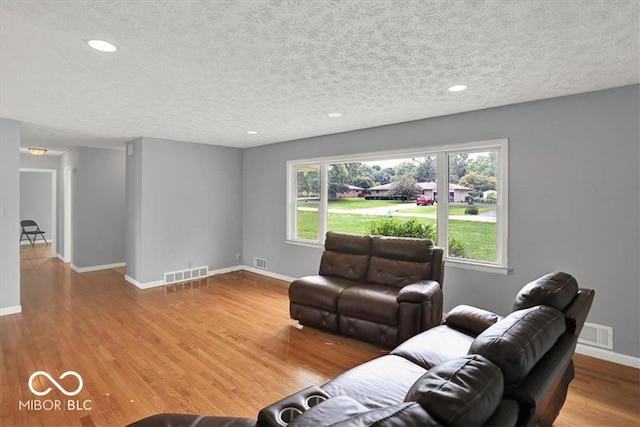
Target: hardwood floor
(221,346)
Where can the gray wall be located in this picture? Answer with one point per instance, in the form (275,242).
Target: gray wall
(29,161)
(574,189)
(185,200)
(35,201)
(9,213)
(99,210)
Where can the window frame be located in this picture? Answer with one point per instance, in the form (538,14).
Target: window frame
(442,153)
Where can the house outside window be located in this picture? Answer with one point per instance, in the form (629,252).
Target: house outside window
(367,193)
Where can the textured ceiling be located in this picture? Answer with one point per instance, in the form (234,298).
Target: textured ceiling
(209,71)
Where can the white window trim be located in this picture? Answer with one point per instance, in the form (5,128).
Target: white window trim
(441,152)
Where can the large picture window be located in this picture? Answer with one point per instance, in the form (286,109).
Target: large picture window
(454,195)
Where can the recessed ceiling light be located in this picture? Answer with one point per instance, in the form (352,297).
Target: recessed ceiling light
(457,88)
(252,132)
(102,45)
(334,115)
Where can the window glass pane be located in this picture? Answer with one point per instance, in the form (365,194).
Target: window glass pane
(307,202)
(389,197)
(472,216)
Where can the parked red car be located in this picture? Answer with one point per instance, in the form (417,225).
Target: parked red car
(423,201)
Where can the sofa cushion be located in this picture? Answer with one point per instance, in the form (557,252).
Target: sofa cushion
(347,266)
(517,342)
(434,346)
(393,272)
(377,303)
(319,291)
(359,244)
(377,383)
(399,261)
(402,248)
(555,290)
(462,391)
(346,255)
(470,319)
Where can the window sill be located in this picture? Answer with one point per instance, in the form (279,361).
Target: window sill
(305,243)
(477,266)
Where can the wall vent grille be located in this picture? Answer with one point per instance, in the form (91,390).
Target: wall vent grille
(597,335)
(186,275)
(260,263)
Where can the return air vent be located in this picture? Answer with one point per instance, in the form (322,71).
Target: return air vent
(186,275)
(260,263)
(597,335)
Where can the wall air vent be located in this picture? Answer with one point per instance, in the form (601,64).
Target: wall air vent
(596,335)
(186,275)
(260,263)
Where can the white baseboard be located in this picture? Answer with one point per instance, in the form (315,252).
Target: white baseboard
(268,273)
(608,355)
(146,285)
(5,311)
(226,270)
(96,267)
(61,258)
(157,283)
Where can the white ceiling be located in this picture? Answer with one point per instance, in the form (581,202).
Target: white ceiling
(209,71)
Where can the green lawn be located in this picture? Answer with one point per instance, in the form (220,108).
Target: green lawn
(480,238)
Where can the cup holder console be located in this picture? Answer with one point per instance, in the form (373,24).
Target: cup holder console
(286,415)
(282,412)
(313,400)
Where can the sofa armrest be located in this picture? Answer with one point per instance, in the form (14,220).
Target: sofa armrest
(470,320)
(505,416)
(575,314)
(419,292)
(330,411)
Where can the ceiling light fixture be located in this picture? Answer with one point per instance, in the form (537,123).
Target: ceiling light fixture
(252,132)
(37,151)
(334,115)
(457,88)
(102,46)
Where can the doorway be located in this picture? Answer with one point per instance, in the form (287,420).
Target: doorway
(38,202)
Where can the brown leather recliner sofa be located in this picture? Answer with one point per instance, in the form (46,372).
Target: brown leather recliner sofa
(378,289)
(477,368)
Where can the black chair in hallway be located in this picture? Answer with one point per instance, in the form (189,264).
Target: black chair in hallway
(30,229)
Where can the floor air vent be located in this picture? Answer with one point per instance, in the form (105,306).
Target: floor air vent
(186,275)
(260,263)
(597,335)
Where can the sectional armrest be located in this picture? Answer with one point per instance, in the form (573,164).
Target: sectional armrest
(419,292)
(330,411)
(575,314)
(471,320)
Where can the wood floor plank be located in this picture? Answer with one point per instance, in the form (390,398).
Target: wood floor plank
(221,346)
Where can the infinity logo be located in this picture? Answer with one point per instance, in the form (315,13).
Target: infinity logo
(58,386)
